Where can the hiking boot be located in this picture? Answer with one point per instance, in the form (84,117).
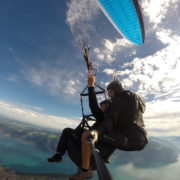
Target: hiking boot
(56,158)
(80,175)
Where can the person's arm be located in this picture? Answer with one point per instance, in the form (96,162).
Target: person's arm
(93,104)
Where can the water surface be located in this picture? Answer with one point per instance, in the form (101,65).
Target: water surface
(27,158)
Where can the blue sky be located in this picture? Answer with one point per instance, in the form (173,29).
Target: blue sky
(42,70)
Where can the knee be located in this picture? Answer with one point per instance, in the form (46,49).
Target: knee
(67,131)
(136,146)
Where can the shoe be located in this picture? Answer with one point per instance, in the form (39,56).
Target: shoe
(80,175)
(56,158)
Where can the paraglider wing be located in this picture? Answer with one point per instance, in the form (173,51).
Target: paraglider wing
(126,17)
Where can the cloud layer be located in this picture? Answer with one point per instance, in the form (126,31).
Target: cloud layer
(59,83)
(25,114)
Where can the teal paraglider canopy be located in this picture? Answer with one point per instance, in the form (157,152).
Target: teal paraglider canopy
(126,17)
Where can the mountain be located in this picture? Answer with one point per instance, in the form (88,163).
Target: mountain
(158,152)
(40,137)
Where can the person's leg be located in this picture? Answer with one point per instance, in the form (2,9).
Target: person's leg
(86,150)
(105,150)
(62,145)
(85,171)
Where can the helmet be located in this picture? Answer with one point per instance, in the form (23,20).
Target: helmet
(116,86)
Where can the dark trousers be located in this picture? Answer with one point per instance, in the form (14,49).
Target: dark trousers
(68,134)
(119,141)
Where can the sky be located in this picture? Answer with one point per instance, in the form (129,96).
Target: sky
(42,71)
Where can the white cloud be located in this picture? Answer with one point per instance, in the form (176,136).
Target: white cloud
(163,118)
(79,15)
(159,71)
(109,45)
(27,115)
(101,56)
(156,78)
(57,83)
(108,71)
(157,11)
(30,107)
(109,50)
(167,172)
(71,88)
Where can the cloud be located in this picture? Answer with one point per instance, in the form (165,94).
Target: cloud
(156,79)
(108,71)
(163,118)
(25,114)
(79,15)
(158,72)
(170,171)
(109,50)
(57,82)
(157,11)
(156,76)
(155,17)
(30,107)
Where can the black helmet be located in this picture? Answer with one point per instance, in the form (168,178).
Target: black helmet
(116,86)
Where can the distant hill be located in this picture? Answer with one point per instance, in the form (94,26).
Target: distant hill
(158,152)
(38,136)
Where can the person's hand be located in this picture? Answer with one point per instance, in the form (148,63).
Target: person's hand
(91,80)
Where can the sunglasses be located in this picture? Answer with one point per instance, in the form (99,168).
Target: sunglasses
(109,91)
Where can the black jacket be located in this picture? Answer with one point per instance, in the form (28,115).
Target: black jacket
(104,148)
(125,117)
(95,109)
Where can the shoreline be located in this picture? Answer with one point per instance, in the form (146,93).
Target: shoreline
(11,174)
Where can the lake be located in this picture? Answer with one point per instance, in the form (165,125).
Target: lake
(29,159)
